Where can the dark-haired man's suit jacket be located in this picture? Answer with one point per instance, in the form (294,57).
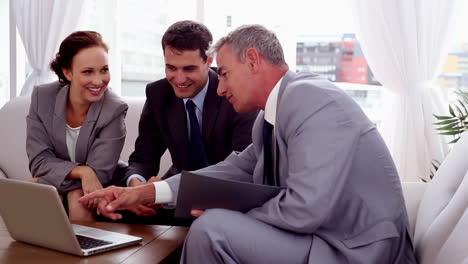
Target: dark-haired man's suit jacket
(163,125)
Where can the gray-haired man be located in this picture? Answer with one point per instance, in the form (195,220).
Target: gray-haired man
(342,200)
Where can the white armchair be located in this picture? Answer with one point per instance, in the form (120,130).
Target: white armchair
(413,192)
(438,212)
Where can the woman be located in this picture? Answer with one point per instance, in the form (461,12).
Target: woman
(75,126)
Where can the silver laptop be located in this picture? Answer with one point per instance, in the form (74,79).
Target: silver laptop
(33,213)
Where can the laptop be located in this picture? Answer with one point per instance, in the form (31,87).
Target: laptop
(33,213)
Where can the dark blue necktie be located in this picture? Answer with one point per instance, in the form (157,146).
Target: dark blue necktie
(268,177)
(198,158)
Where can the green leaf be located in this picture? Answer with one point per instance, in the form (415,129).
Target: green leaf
(463,105)
(465,98)
(461,92)
(452,133)
(459,110)
(457,123)
(456,128)
(446,122)
(451,111)
(442,117)
(448,126)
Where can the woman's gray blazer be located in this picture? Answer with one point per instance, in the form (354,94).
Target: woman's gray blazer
(99,143)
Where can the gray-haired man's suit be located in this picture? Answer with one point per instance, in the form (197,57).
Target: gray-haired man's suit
(343,201)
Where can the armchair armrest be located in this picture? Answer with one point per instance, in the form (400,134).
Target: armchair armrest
(413,193)
(2,174)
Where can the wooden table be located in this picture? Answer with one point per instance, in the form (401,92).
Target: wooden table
(159,242)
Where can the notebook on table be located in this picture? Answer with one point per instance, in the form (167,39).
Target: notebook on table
(202,192)
(33,213)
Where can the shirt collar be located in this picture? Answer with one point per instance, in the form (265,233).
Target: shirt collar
(272,104)
(199,99)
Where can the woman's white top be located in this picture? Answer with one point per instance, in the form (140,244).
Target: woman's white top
(72,134)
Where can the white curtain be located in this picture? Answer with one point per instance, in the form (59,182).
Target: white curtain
(42,25)
(404,42)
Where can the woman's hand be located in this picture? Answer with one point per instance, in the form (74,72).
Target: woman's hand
(90,183)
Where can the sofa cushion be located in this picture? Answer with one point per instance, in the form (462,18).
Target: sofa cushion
(135,106)
(441,214)
(13,158)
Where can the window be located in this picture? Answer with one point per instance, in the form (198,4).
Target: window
(133,30)
(314,38)
(4,53)
(11,46)
(454,72)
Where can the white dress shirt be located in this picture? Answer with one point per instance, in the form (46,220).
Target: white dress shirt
(198,100)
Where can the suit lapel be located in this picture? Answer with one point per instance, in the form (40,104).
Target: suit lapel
(210,107)
(287,77)
(177,119)
(59,122)
(257,136)
(84,138)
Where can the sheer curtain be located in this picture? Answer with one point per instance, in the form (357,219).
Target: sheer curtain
(42,26)
(404,42)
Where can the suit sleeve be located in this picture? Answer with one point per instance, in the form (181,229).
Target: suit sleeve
(149,146)
(238,166)
(321,141)
(105,151)
(43,162)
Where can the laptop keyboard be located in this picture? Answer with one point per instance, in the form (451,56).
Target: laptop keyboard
(88,242)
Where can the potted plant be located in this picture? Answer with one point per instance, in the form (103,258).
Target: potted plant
(453,125)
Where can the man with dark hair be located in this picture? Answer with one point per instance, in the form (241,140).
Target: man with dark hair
(184,114)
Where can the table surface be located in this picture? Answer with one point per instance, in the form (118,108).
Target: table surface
(158,243)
